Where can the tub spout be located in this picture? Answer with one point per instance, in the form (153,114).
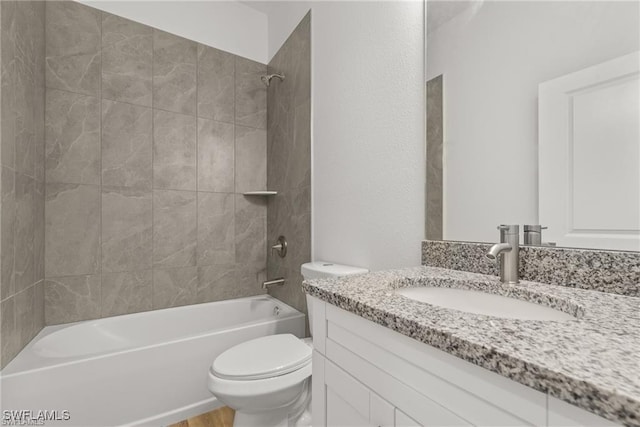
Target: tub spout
(275,282)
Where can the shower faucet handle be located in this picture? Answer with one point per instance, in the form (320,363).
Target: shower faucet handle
(280,247)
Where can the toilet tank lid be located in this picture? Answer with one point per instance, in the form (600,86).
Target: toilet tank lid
(322,269)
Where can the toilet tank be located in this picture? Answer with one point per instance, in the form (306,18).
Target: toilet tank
(326,270)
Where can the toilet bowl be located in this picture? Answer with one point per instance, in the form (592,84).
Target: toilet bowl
(267,380)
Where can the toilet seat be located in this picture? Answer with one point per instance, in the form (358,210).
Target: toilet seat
(221,387)
(268,383)
(262,358)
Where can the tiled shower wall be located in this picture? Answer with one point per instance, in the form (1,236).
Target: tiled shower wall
(22,179)
(289,158)
(151,139)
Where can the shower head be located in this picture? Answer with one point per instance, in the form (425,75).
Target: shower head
(267,79)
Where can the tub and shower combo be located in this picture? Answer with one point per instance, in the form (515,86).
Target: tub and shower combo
(138,369)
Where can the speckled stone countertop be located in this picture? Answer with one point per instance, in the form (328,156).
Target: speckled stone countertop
(592,362)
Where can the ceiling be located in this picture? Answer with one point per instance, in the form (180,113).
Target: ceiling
(441,11)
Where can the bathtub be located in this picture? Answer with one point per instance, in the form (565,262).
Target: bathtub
(138,369)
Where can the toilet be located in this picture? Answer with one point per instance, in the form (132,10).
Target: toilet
(267,380)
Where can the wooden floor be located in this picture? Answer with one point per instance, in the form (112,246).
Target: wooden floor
(222,417)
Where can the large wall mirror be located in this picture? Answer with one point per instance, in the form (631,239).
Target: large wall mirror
(533,117)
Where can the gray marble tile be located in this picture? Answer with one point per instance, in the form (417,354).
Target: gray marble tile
(28,80)
(24,115)
(127,135)
(216,230)
(174,228)
(39,47)
(249,278)
(10,343)
(174,73)
(127,240)
(127,60)
(73,47)
(72,138)
(251,94)
(227,281)
(294,60)
(7,232)
(174,287)
(174,151)
(251,230)
(216,156)
(279,142)
(70,299)
(291,292)
(216,282)
(299,159)
(38,303)
(434,158)
(40,134)
(126,292)
(289,163)
(216,84)
(251,159)
(25,314)
(301,241)
(24,232)
(38,232)
(7,82)
(72,230)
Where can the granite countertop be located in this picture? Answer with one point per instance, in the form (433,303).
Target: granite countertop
(592,362)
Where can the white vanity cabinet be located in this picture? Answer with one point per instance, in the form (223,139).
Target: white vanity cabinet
(368,375)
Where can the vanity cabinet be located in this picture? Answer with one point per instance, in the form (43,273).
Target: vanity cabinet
(367,375)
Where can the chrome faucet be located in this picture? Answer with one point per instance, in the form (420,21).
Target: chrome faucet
(506,253)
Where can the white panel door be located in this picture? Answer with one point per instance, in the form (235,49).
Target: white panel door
(589,156)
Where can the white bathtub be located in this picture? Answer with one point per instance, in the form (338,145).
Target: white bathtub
(139,369)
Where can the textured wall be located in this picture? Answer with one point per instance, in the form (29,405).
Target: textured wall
(150,141)
(22,179)
(289,162)
(368,132)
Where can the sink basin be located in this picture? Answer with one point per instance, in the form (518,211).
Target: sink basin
(483,303)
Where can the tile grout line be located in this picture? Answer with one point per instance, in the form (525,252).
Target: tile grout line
(101,291)
(197,154)
(153,145)
(152,107)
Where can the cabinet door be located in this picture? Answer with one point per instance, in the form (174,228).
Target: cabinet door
(404,420)
(347,401)
(381,411)
(563,414)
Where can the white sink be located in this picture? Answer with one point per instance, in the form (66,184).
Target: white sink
(483,303)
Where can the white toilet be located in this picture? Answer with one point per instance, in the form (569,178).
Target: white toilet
(267,380)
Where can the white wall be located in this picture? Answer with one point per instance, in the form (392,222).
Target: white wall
(227,25)
(284,17)
(368,169)
(493,58)
(368,133)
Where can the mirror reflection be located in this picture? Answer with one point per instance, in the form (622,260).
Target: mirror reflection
(533,118)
